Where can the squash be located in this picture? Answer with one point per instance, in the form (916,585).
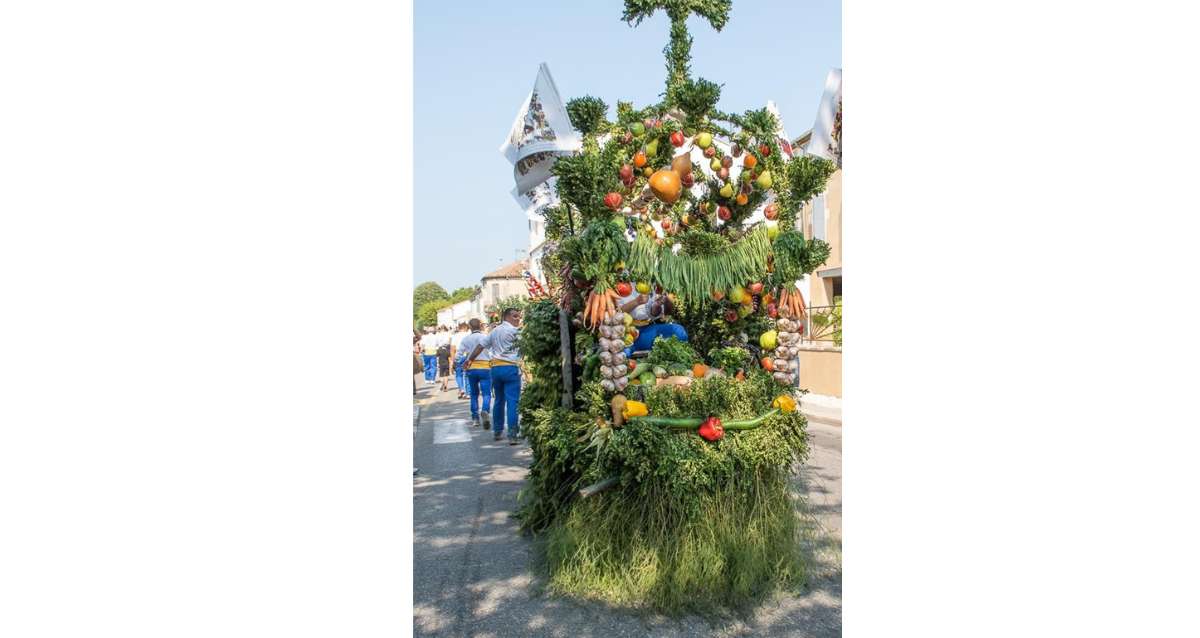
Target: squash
(634,408)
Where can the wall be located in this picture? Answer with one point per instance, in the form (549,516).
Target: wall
(508,288)
(817,295)
(821,369)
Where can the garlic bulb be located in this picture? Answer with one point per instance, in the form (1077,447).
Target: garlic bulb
(608,385)
(606,358)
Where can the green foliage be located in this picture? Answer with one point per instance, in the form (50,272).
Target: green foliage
(587,114)
(729,358)
(666,352)
(597,251)
(541,350)
(427,313)
(423,295)
(803,178)
(828,322)
(679,51)
(795,256)
(585,178)
(695,278)
(463,294)
(697,98)
(701,243)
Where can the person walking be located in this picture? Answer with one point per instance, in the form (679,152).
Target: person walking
(459,357)
(443,359)
(478,373)
(506,374)
(429,355)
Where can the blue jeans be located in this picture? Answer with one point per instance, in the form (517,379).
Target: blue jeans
(506,387)
(430,361)
(459,373)
(647,335)
(479,384)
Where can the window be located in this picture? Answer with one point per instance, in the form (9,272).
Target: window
(833,288)
(495,293)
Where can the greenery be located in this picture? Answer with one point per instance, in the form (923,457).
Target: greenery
(584,179)
(679,51)
(666,352)
(729,359)
(804,178)
(692,524)
(541,351)
(701,243)
(587,114)
(463,294)
(425,308)
(828,322)
(695,278)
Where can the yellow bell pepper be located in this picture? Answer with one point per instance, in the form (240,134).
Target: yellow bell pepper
(785,403)
(634,408)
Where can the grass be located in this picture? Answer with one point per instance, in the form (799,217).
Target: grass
(742,543)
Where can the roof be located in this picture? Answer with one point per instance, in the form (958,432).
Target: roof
(514,270)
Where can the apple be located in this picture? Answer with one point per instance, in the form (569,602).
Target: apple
(666,224)
(657,123)
(649,123)
(627,138)
(731,316)
(727,161)
(723,173)
(624,289)
(727,190)
(724,213)
(755,288)
(764,150)
(704,139)
(628,182)
(677,139)
(772,310)
(710,152)
(643,287)
(737,294)
(771,211)
(687,180)
(613,200)
(718,295)
(626,171)
(750,161)
(764,181)
(637,128)
(737,150)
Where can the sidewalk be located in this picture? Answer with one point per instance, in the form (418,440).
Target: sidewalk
(819,408)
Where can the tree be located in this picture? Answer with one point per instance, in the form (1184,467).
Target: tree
(427,313)
(423,294)
(464,293)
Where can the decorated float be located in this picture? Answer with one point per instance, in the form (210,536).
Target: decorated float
(662,407)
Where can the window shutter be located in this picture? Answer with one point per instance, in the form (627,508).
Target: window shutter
(818,216)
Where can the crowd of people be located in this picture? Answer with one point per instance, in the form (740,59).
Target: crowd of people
(484,361)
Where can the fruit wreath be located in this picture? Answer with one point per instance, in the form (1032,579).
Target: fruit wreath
(661,480)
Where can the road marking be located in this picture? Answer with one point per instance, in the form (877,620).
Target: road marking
(450,431)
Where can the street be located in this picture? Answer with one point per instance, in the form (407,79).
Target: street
(473,573)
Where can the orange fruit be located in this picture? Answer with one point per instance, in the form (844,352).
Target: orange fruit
(750,161)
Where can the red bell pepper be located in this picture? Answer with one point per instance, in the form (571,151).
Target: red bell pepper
(711,429)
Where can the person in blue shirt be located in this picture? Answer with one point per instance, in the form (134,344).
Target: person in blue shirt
(501,344)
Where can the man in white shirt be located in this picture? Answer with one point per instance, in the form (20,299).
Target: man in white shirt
(429,355)
(478,372)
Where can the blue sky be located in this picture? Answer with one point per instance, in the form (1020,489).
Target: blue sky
(475,63)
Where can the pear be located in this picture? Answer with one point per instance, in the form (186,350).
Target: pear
(727,190)
(703,140)
(764,181)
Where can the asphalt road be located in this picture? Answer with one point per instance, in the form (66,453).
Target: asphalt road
(472,573)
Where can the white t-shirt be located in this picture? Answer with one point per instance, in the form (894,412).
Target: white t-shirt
(456,342)
(429,344)
(642,312)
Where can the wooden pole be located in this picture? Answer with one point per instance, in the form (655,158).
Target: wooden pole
(564,334)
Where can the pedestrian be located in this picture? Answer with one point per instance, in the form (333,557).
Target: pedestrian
(459,357)
(506,374)
(417,367)
(478,373)
(443,360)
(429,355)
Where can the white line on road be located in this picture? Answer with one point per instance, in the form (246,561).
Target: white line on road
(450,431)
